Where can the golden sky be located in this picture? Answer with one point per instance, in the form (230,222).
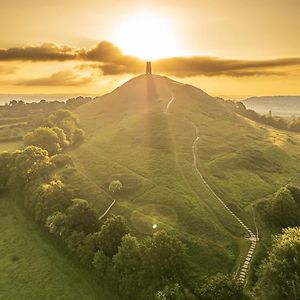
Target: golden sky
(231,48)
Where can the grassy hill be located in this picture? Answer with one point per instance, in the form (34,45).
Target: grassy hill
(33,267)
(142,134)
(130,137)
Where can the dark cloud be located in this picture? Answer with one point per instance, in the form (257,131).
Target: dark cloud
(44,52)
(111,61)
(62,78)
(210,66)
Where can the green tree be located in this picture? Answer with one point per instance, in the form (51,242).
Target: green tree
(279,276)
(128,265)
(5,169)
(220,287)
(31,163)
(62,138)
(115,186)
(111,233)
(81,217)
(101,263)
(170,292)
(283,210)
(164,259)
(77,136)
(45,138)
(52,197)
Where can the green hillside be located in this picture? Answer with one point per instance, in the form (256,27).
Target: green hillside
(131,137)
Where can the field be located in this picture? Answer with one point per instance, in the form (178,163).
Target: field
(33,267)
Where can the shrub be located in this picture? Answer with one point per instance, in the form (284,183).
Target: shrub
(115,186)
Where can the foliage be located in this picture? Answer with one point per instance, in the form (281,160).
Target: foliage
(5,169)
(149,266)
(282,210)
(31,163)
(51,197)
(115,186)
(101,263)
(279,275)
(110,236)
(81,217)
(173,292)
(45,138)
(220,287)
(62,160)
(77,136)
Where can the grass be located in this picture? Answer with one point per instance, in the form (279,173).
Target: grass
(131,139)
(33,267)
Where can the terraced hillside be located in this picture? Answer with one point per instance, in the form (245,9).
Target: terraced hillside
(142,134)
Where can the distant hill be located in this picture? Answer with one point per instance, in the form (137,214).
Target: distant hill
(285,106)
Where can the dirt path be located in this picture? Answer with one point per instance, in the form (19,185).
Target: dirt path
(244,270)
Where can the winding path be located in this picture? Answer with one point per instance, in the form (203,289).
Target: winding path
(251,236)
(244,270)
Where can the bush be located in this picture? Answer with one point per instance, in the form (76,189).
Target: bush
(62,160)
(101,263)
(279,275)
(283,210)
(220,287)
(115,186)
(77,136)
(45,138)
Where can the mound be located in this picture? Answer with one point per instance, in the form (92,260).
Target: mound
(143,134)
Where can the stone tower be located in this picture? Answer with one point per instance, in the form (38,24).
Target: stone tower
(148,68)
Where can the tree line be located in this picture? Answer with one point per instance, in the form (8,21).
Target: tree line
(274,121)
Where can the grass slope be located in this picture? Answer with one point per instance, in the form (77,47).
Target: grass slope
(33,267)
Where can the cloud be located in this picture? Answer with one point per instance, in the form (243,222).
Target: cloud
(62,78)
(211,66)
(7,70)
(108,58)
(44,52)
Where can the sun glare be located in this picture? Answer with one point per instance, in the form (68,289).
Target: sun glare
(147,36)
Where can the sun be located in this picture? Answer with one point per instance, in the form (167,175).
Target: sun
(148,36)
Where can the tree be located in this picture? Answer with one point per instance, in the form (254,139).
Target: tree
(172,292)
(101,263)
(62,138)
(52,197)
(128,265)
(220,287)
(283,209)
(31,163)
(45,138)
(62,160)
(81,217)
(5,169)
(115,186)
(65,120)
(77,136)
(279,275)
(295,192)
(164,259)
(110,236)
